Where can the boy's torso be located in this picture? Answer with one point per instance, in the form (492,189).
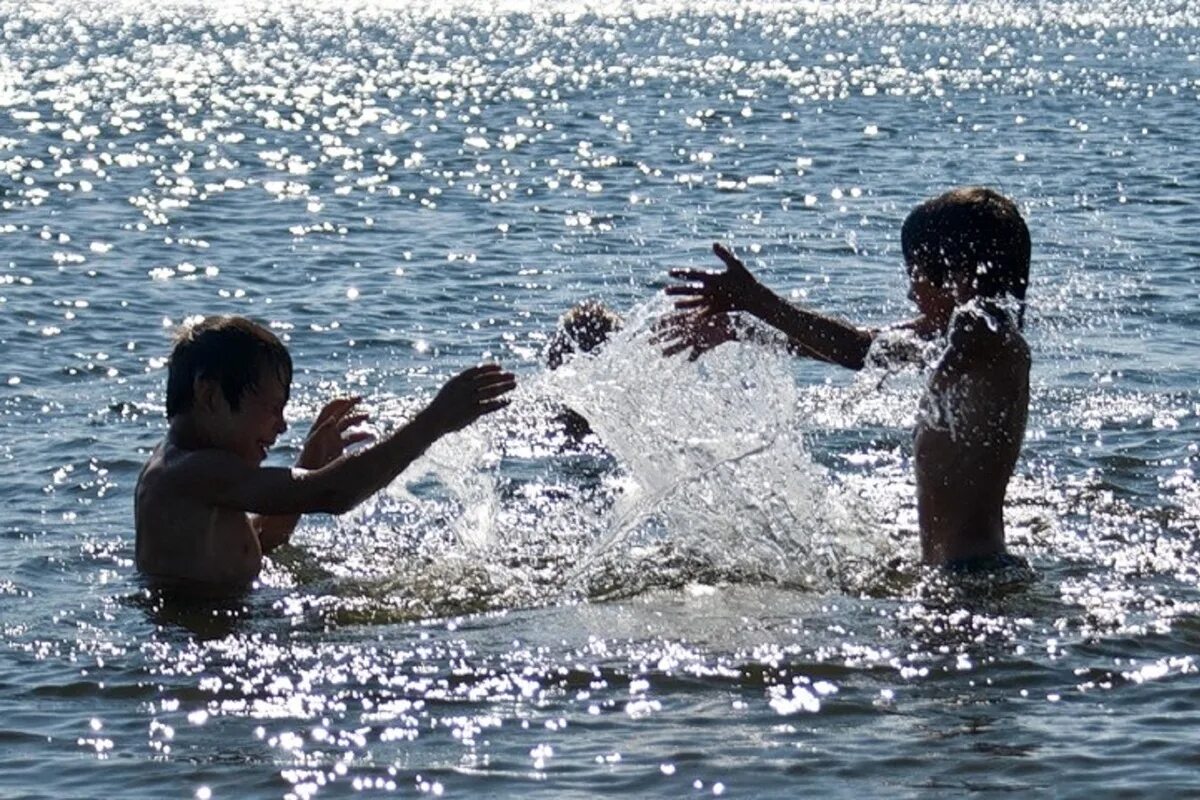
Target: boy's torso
(968,435)
(183,543)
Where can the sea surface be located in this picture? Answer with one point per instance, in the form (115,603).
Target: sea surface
(716,594)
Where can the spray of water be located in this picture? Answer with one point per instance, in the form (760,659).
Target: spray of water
(696,472)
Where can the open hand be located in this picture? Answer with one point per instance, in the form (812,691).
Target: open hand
(469,395)
(691,330)
(331,433)
(708,293)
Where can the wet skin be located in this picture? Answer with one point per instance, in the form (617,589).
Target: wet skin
(206,509)
(971,421)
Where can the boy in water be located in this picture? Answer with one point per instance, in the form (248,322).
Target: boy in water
(206,509)
(967,252)
(585,328)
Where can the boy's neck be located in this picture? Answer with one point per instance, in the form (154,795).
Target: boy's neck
(929,327)
(937,324)
(188,432)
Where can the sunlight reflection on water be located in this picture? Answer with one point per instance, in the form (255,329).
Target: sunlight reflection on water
(714,595)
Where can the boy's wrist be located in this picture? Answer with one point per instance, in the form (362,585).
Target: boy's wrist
(757,299)
(430,423)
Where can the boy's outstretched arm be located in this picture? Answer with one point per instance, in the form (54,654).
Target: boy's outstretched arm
(222,480)
(709,295)
(331,433)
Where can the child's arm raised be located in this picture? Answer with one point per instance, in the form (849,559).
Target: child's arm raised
(222,480)
(710,294)
(327,439)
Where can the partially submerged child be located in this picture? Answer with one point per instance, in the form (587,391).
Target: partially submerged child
(585,327)
(967,254)
(206,510)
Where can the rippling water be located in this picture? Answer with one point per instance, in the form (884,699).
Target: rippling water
(716,595)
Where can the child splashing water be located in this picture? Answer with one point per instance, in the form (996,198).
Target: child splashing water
(585,328)
(967,255)
(206,510)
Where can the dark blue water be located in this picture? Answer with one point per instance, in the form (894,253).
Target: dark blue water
(718,596)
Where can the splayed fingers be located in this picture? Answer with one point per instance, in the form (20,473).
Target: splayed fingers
(698,289)
(691,274)
(698,332)
(332,432)
(732,262)
(346,425)
(469,395)
(492,385)
(666,327)
(336,409)
(709,292)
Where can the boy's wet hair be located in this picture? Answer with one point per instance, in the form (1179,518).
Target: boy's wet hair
(971,231)
(231,350)
(585,327)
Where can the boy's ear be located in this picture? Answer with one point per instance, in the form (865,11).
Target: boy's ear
(207,393)
(965,286)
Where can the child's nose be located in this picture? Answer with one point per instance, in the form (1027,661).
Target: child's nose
(280,426)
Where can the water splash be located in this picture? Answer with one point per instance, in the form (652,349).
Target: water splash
(696,472)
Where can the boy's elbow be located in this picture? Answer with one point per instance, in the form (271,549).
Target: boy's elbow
(338,503)
(853,361)
(324,493)
(851,358)
(331,500)
(855,356)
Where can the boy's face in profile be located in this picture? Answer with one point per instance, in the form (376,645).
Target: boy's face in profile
(933,300)
(258,421)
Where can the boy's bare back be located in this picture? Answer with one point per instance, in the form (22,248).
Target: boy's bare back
(968,435)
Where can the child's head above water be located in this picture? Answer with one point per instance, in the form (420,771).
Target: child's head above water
(585,327)
(234,352)
(970,241)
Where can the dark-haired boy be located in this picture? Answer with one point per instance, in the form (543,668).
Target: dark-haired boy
(206,509)
(967,254)
(584,328)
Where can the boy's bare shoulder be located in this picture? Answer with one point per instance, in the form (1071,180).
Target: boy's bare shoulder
(176,468)
(979,336)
